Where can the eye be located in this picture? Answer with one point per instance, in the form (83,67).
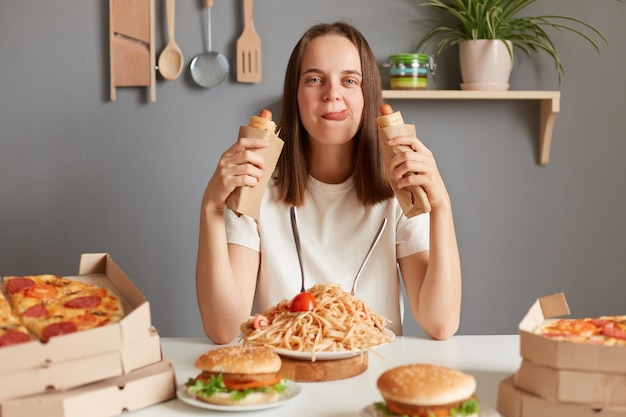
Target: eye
(312,79)
(352,81)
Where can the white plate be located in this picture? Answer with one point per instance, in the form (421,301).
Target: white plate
(370,411)
(327,356)
(292,391)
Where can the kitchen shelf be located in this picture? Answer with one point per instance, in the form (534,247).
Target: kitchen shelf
(549,106)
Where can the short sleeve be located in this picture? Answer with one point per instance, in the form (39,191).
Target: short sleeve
(242,230)
(412,235)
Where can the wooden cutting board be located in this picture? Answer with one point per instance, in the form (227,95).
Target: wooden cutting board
(328,370)
(132,58)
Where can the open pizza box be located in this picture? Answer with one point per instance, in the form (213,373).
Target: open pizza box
(75,359)
(563,355)
(138,389)
(580,387)
(515,402)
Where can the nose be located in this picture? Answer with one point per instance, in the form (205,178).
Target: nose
(332,91)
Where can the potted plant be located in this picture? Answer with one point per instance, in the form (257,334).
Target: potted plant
(495,28)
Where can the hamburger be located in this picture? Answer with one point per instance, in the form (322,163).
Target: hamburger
(238,375)
(424,390)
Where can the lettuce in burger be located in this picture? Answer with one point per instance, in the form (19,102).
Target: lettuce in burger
(238,375)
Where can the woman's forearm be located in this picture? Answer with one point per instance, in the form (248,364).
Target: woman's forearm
(224,298)
(440,295)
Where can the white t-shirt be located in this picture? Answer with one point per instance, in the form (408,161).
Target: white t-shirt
(336,231)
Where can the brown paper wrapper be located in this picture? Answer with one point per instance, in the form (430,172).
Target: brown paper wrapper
(247,200)
(413,200)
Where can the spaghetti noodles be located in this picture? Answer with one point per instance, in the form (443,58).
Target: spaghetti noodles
(339,322)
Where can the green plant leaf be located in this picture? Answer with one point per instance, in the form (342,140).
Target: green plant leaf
(462,20)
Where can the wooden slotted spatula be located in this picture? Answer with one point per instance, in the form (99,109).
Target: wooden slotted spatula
(248,49)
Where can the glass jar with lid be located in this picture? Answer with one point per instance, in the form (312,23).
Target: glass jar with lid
(410,71)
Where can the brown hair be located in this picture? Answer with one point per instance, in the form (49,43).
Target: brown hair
(292,169)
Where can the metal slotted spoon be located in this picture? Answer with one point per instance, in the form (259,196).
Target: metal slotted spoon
(210,68)
(369,252)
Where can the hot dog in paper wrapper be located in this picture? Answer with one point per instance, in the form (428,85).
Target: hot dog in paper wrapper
(247,200)
(413,200)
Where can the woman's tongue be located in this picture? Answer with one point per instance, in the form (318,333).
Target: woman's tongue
(340,115)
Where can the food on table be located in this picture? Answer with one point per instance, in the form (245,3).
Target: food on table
(304,301)
(340,322)
(238,375)
(12,331)
(425,390)
(605,330)
(49,305)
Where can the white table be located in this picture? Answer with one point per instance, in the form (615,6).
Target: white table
(488,358)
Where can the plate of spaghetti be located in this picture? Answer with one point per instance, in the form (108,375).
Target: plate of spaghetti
(340,326)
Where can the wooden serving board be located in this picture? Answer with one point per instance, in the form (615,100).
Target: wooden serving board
(328,370)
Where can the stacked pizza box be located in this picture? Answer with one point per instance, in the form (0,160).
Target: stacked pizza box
(563,378)
(100,372)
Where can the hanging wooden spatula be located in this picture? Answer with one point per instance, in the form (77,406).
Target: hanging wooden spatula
(248,49)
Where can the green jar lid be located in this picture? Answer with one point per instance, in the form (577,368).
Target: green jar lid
(408,58)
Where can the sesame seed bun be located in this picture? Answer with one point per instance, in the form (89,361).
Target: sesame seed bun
(425,386)
(239,360)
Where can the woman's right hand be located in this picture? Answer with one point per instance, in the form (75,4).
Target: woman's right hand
(238,166)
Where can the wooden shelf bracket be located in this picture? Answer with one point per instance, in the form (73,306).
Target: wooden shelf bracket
(549,107)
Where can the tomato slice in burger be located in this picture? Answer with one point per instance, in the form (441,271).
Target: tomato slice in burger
(238,385)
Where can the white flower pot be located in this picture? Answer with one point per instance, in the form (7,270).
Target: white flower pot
(485,64)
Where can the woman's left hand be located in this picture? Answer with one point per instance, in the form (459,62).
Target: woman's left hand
(416,166)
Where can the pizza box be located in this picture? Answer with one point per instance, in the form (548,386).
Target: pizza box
(138,389)
(63,375)
(592,388)
(78,358)
(515,402)
(560,354)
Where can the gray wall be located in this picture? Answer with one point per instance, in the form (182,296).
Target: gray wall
(79,173)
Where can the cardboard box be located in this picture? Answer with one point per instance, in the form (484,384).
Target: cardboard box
(62,375)
(141,388)
(560,354)
(75,359)
(515,402)
(591,388)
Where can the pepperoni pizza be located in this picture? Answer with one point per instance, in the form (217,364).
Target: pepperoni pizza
(49,305)
(605,330)
(12,331)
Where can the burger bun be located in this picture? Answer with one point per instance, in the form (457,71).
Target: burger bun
(425,386)
(239,359)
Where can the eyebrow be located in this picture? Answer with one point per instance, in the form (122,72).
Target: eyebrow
(316,70)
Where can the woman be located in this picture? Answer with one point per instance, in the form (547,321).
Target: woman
(331,170)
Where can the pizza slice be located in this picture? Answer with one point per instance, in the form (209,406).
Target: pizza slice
(613,329)
(605,330)
(50,305)
(32,290)
(28,291)
(86,309)
(12,331)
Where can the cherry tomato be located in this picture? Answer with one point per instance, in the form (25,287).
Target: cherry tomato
(303,302)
